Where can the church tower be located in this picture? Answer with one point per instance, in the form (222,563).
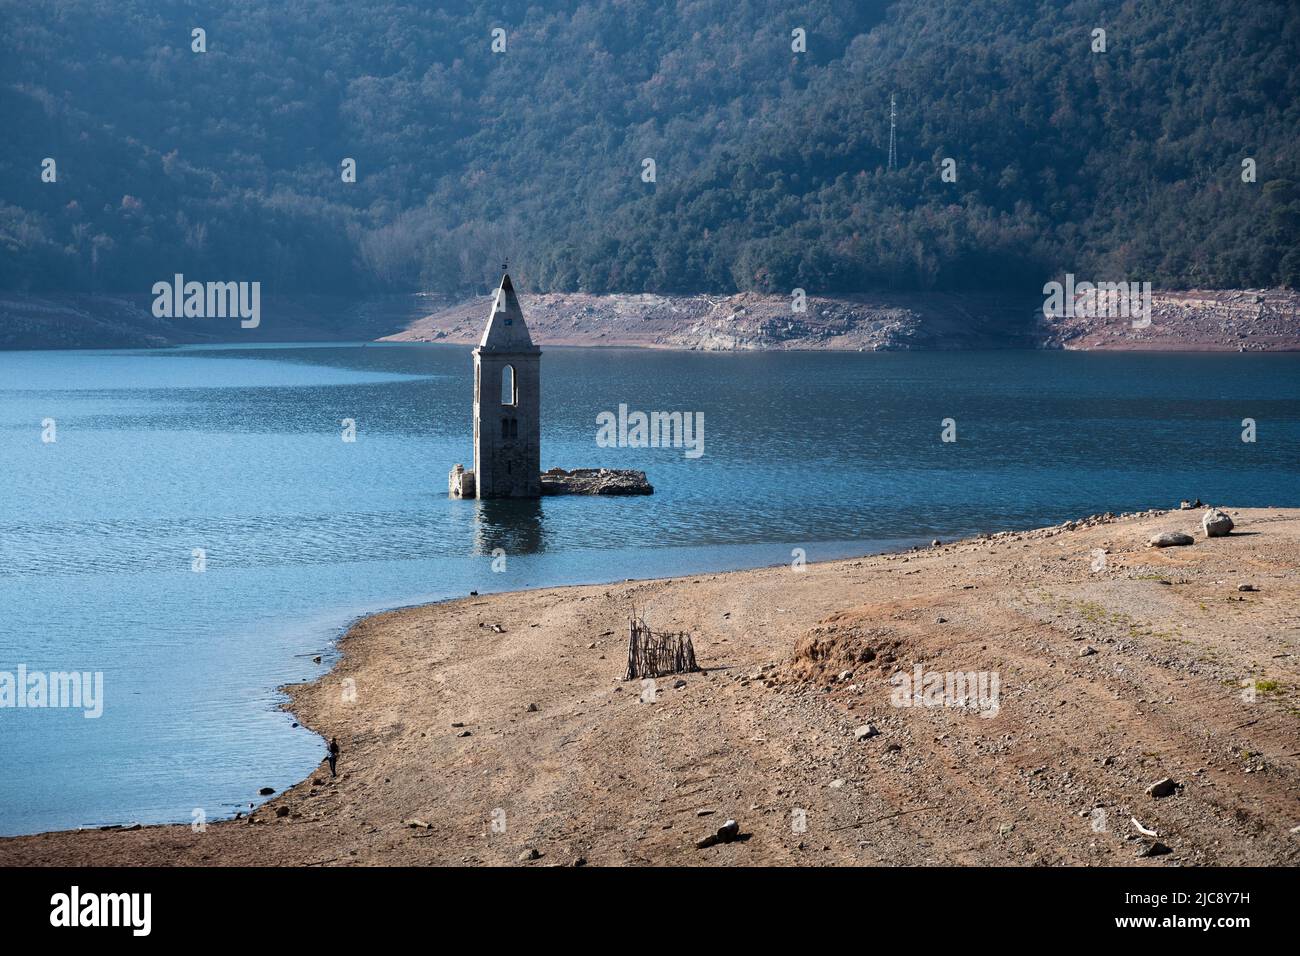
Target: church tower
(507,403)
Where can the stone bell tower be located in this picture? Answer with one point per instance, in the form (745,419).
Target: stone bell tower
(507,404)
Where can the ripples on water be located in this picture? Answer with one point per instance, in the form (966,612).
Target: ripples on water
(238,452)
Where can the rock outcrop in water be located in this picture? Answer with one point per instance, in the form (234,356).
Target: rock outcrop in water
(557,481)
(595,481)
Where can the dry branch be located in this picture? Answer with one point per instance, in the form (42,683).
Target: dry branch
(657,655)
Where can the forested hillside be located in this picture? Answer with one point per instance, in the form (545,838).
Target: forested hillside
(770,164)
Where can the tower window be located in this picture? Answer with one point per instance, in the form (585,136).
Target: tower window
(514,428)
(505,428)
(508,395)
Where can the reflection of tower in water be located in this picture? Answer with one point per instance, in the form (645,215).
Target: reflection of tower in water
(512,524)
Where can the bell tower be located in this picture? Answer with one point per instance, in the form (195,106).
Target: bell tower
(507,403)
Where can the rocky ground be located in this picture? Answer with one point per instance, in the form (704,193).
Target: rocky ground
(1234,320)
(749,321)
(496,730)
(1244,320)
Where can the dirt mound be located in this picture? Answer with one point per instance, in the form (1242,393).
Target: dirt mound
(840,645)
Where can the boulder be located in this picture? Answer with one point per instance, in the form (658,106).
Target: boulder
(727,833)
(1217,523)
(1170,539)
(1163,788)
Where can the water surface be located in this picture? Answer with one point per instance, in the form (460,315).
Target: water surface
(238,451)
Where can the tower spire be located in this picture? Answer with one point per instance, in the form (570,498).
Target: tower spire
(506,330)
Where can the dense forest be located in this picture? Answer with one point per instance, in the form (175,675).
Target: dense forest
(770,163)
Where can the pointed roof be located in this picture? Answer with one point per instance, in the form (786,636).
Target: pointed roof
(506,330)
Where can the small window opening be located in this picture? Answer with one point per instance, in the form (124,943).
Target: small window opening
(508,385)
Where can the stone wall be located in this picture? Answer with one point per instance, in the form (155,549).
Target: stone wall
(507,438)
(460,483)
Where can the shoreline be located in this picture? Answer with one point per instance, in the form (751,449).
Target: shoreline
(419,671)
(1188,320)
(388,342)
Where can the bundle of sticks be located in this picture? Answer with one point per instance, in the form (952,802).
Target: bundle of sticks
(656,655)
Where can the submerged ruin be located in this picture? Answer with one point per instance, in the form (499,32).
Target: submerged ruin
(507,420)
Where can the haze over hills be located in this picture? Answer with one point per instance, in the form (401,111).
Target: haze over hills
(770,164)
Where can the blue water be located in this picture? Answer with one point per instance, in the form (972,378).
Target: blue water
(237,451)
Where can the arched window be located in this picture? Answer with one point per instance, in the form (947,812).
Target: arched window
(508,385)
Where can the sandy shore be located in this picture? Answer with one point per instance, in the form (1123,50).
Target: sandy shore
(1112,677)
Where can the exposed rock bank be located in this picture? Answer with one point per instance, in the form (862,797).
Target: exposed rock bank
(1233,320)
(496,729)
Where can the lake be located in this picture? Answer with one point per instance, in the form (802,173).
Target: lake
(239,452)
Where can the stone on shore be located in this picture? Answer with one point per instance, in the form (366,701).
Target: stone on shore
(1162,788)
(727,833)
(1170,539)
(1217,523)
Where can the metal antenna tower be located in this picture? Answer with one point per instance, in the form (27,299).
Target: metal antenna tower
(893,142)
